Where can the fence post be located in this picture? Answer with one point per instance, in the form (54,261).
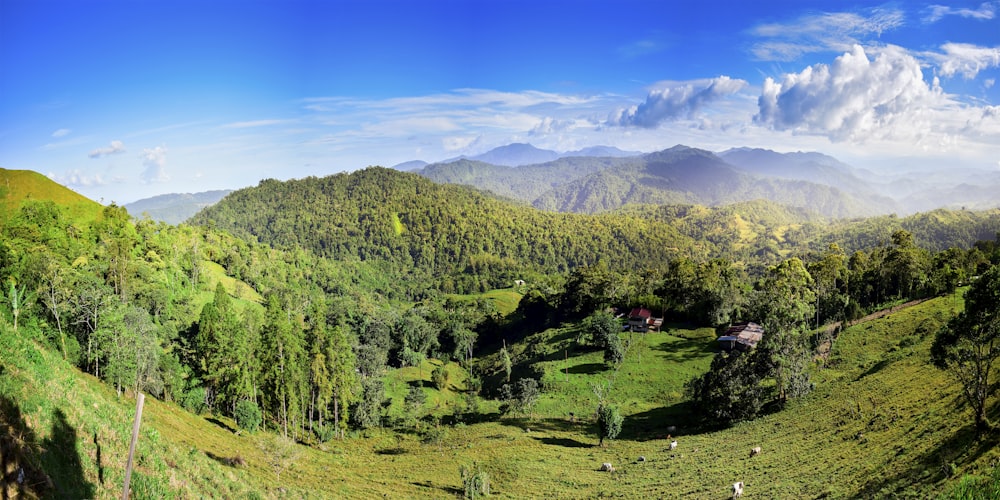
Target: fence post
(131,447)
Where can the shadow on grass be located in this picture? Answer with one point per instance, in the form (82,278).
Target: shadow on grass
(19,454)
(588,368)
(686,350)
(660,422)
(451,490)
(546,424)
(398,450)
(963,448)
(220,424)
(564,442)
(234,461)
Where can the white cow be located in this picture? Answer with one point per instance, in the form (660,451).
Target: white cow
(737,490)
(606,466)
(673,445)
(755,451)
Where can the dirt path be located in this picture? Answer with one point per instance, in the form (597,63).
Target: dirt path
(831,331)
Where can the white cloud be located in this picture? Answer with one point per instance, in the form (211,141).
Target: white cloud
(985,12)
(155,161)
(640,48)
(965,59)
(63,132)
(116,147)
(78,178)
(830,31)
(676,100)
(855,98)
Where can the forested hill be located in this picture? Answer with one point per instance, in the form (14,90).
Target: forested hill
(405,219)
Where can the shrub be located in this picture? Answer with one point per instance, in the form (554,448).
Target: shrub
(440,378)
(193,400)
(609,422)
(247,415)
(475,482)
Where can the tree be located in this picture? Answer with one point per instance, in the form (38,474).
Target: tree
(520,397)
(970,343)
(609,422)
(505,360)
(730,391)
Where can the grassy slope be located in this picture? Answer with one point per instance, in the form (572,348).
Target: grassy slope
(17,186)
(877,382)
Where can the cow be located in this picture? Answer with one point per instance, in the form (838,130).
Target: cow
(737,490)
(755,451)
(606,466)
(673,445)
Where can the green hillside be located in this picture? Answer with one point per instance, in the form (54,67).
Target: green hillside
(20,186)
(881,423)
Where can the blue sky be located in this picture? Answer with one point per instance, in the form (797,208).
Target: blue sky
(122,100)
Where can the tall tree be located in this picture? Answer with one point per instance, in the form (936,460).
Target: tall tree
(969,345)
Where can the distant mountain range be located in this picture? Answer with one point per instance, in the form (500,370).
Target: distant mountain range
(594,184)
(175,208)
(603,178)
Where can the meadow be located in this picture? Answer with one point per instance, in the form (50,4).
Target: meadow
(881,422)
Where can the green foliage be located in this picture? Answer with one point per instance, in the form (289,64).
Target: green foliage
(730,391)
(475,481)
(609,422)
(193,400)
(440,378)
(247,415)
(970,344)
(521,397)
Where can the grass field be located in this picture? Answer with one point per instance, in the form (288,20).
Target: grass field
(882,422)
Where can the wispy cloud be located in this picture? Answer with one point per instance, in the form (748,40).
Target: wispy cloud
(116,147)
(63,132)
(676,100)
(255,123)
(965,59)
(985,12)
(641,48)
(154,162)
(854,99)
(832,31)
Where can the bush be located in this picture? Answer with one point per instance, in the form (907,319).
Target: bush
(325,433)
(440,378)
(247,415)
(193,400)
(609,422)
(475,482)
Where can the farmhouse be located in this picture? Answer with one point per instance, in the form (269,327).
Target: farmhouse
(741,336)
(641,320)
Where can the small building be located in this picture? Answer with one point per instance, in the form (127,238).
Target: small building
(741,336)
(641,319)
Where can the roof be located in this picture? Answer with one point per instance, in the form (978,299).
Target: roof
(640,312)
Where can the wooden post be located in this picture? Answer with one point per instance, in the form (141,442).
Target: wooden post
(131,447)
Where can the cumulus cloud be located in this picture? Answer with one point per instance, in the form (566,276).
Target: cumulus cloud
(965,59)
(63,132)
(155,161)
(853,99)
(985,12)
(675,101)
(78,178)
(829,31)
(116,147)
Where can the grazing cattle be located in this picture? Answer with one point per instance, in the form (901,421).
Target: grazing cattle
(755,451)
(673,445)
(737,490)
(642,458)
(606,466)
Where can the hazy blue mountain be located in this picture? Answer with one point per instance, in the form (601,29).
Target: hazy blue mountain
(687,175)
(410,166)
(517,154)
(175,208)
(524,183)
(605,151)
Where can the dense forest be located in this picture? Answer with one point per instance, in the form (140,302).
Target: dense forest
(286,304)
